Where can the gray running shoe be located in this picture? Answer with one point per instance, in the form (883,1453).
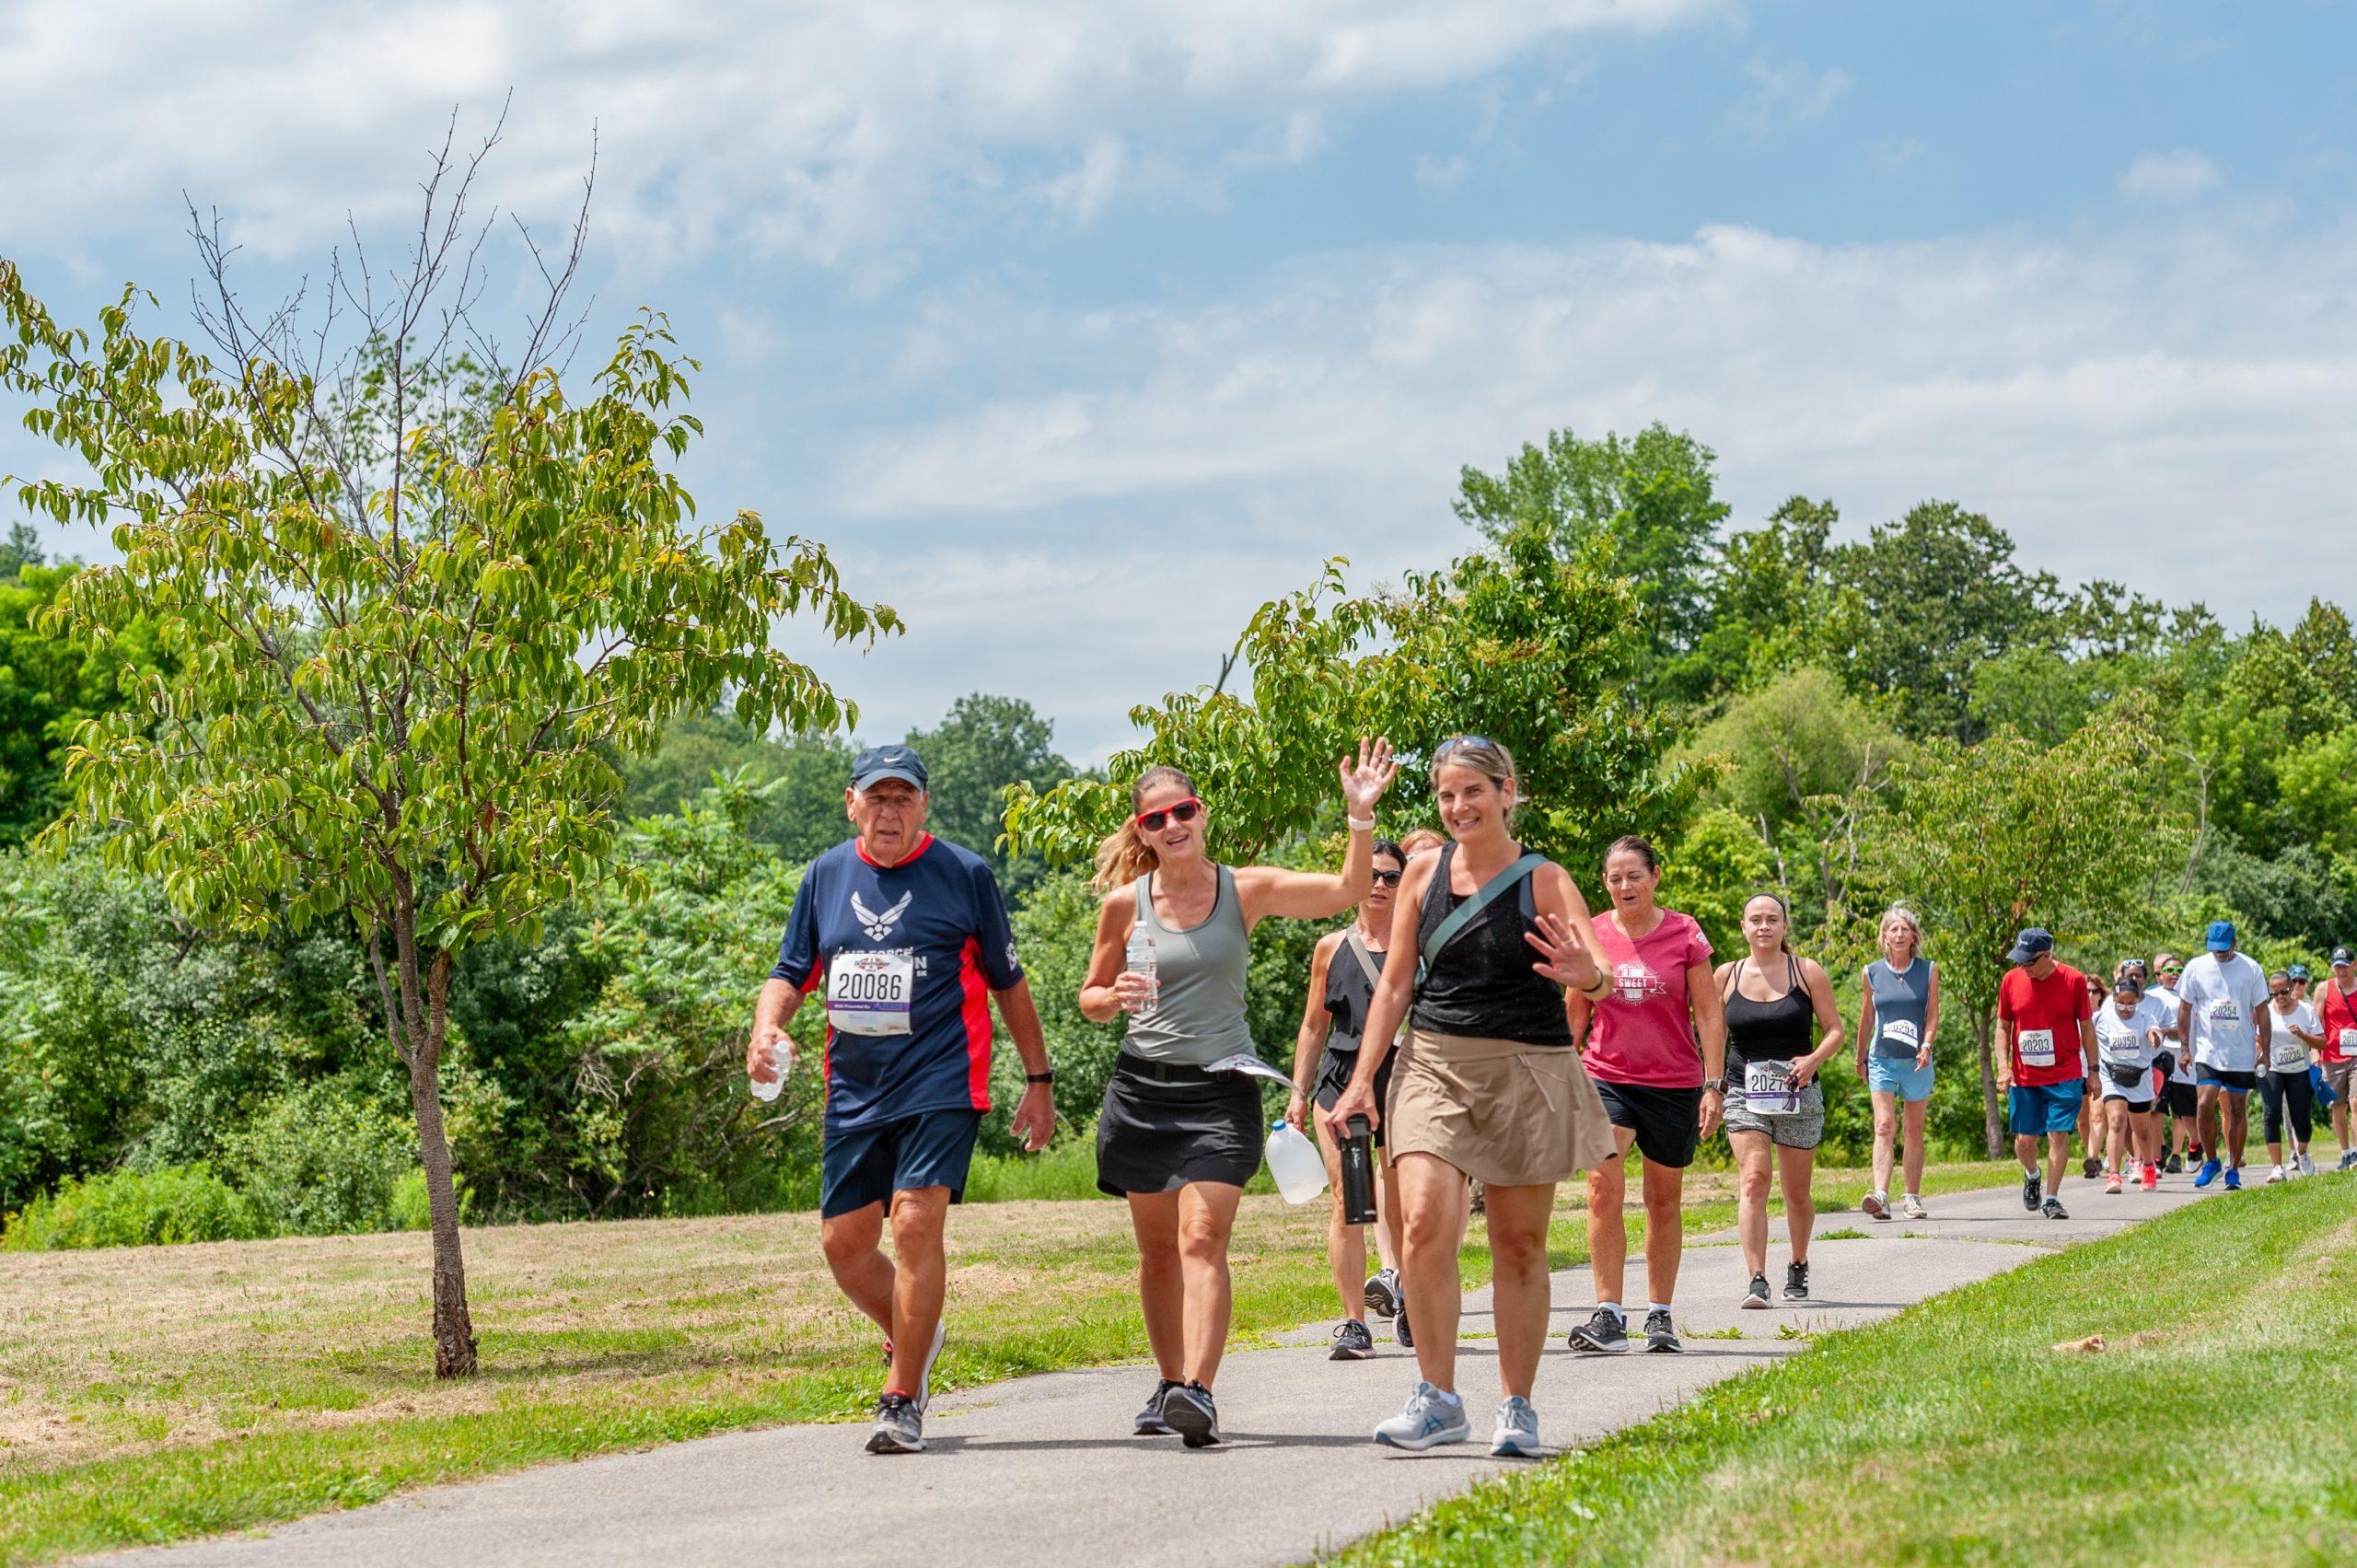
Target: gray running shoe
(1797,1281)
(1660,1334)
(2054,1210)
(1755,1297)
(1912,1207)
(1875,1205)
(1425,1422)
(1352,1342)
(2348,1161)
(1150,1421)
(1190,1413)
(1382,1296)
(1603,1332)
(900,1426)
(1517,1434)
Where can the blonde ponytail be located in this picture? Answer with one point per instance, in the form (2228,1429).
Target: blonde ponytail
(1125,856)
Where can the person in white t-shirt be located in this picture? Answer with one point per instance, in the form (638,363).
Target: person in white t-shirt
(2178,1098)
(2131,1028)
(2284,1085)
(2226,1023)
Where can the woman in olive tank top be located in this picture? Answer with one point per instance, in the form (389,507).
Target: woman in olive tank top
(1174,1137)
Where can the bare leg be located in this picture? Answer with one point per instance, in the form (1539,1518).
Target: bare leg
(2148,1137)
(2208,1117)
(1206,1216)
(1754,1166)
(1162,1286)
(1519,1292)
(1912,1116)
(1795,1167)
(1608,1226)
(1664,1227)
(862,1271)
(2057,1155)
(2237,1119)
(1886,1135)
(2115,1115)
(919,1276)
(1432,1230)
(2025,1151)
(1387,1218)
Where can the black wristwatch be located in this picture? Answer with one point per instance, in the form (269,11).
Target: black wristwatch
(1047,1077)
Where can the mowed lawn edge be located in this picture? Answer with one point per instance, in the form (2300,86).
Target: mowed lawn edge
(2213,1426)
(175,1492)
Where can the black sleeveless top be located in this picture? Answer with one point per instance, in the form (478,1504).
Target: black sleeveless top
(1482,983)
(1769,1031)
(1349,997)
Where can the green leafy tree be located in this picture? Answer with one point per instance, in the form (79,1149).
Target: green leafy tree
(1648,506)
(982,745)
(800,819)
(1774,603)
(49,684)
(1986,839)
(413,605)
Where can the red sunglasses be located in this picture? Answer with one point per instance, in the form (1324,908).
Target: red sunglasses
(1179,810)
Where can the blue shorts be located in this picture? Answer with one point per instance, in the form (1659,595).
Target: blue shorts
(2034,1109)
(867,1165)
(1899,1076)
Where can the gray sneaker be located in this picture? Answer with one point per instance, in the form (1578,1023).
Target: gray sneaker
(1382,1293)
(2055,1211)
(1150,1421)
(1912,1207)
(1756,1296)
(1517,1434)
(1605,1332)
(1425,1422)
(1660,1334)
(900,1426)
(1188,1410)
(1352,1342)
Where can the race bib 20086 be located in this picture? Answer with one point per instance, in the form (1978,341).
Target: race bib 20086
(869,993)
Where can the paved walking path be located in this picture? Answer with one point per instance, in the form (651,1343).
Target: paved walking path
(1043,1469)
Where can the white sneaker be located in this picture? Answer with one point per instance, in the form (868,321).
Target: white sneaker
(1912,1207)
(2307,1165)
(1429,1418)
(924,1379)
(2274,1175)
(1875,1204)
(1517,1434)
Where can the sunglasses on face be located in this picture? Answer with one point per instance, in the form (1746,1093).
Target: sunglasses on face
(1185,810)
(1388,878)
(2285,991)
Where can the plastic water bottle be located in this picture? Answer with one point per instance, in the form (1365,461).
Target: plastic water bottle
(1140,961)
(1293,1160)
(780,1058)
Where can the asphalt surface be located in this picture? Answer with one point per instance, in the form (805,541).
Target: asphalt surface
(1044,1469)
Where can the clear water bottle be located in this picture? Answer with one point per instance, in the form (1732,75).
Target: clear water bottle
(1140,961)
(780,1058)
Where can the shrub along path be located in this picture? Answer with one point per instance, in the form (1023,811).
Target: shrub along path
(1043,1467)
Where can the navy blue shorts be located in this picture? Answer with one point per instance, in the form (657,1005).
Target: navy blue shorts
(867,1165)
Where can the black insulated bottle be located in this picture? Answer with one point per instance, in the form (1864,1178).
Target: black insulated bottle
(1358,1173)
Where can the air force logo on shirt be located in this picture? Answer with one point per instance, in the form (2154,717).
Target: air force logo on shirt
(879,926)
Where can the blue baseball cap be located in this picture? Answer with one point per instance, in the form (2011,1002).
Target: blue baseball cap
(2297,971)
(2221,935)
(2029,944)
(880,762)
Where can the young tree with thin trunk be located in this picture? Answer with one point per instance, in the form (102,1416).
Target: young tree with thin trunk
(415,599)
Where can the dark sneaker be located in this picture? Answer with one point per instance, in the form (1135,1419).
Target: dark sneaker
(1400,1328)
(2054,1210)
(1797,1281)
(1150,1421)
(2030,1191)
(1661,1335)
(2091,1167)
(1604,1332)
(1755,1297)
(1352,1342)
(900,1426)
(1190,1413)
(1382,1297)
(2173,1166)
(2348,1161)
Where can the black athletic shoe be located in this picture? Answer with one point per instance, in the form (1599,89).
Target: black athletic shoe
(2030,1191)
(1382,1293)
(1604,1332)
(2173,1165)
(1399,1330)
(900,1426)
(2054,1210)
(1352,1342)
(2091,1167)
(1797,1281)
(1150,1421)
(1755,1298)
(1661,1335)
(1188,1410)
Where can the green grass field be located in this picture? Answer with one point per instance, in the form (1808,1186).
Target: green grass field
(150,1394)
(2215,1427)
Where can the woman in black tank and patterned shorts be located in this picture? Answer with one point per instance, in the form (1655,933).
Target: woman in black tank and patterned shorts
(1775,1114)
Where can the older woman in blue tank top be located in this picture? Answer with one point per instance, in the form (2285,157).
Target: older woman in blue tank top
(1176,1138)
(1896,1023)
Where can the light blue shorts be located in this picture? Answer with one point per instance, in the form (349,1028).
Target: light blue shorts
(2044,1108)
(1899,1076)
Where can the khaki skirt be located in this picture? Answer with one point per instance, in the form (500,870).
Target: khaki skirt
(1503,1113)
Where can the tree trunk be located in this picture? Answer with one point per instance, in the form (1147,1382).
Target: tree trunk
(454,1334)
(1994,1121)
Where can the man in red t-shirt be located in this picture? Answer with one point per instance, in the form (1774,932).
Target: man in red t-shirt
(2336,1007)
(2045,1054)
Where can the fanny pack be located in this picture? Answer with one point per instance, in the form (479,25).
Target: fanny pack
(2127,1077)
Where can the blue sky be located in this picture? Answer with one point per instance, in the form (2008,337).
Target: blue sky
(1080,329)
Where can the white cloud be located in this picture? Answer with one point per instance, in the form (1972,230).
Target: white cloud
(2179,176)
(2166,407)
(1785,93)
(827,131)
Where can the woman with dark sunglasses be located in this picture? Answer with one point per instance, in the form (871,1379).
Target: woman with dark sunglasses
(1344,972)
(1176,1138)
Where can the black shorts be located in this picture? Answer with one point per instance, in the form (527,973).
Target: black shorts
(1334,1070)
(1667,1122)
(2226,1078)
(867,1165)
(2180,1099)
(1164,1126)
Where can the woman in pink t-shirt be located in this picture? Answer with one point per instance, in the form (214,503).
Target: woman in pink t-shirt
(1656,1048)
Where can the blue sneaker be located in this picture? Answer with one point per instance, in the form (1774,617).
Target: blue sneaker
(1428,1420)
(2234,1181)
(2209,1174)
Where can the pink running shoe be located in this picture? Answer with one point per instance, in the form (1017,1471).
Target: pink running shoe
(2111,1182)
(2152,1178)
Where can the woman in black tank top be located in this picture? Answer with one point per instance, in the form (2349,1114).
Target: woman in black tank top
(1486,1087)
(1775,1003)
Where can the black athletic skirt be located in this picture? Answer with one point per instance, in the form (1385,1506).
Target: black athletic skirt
(1164,1126)
(1334,1070)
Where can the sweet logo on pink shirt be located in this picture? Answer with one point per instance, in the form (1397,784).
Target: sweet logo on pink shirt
(1635,982)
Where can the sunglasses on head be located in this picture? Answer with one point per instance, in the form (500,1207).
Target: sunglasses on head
(1185,810)
(1390,878)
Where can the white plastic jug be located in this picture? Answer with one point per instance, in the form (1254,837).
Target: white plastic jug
(1293,1160)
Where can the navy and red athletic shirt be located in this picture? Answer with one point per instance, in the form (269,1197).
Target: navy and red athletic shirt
(943,906)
